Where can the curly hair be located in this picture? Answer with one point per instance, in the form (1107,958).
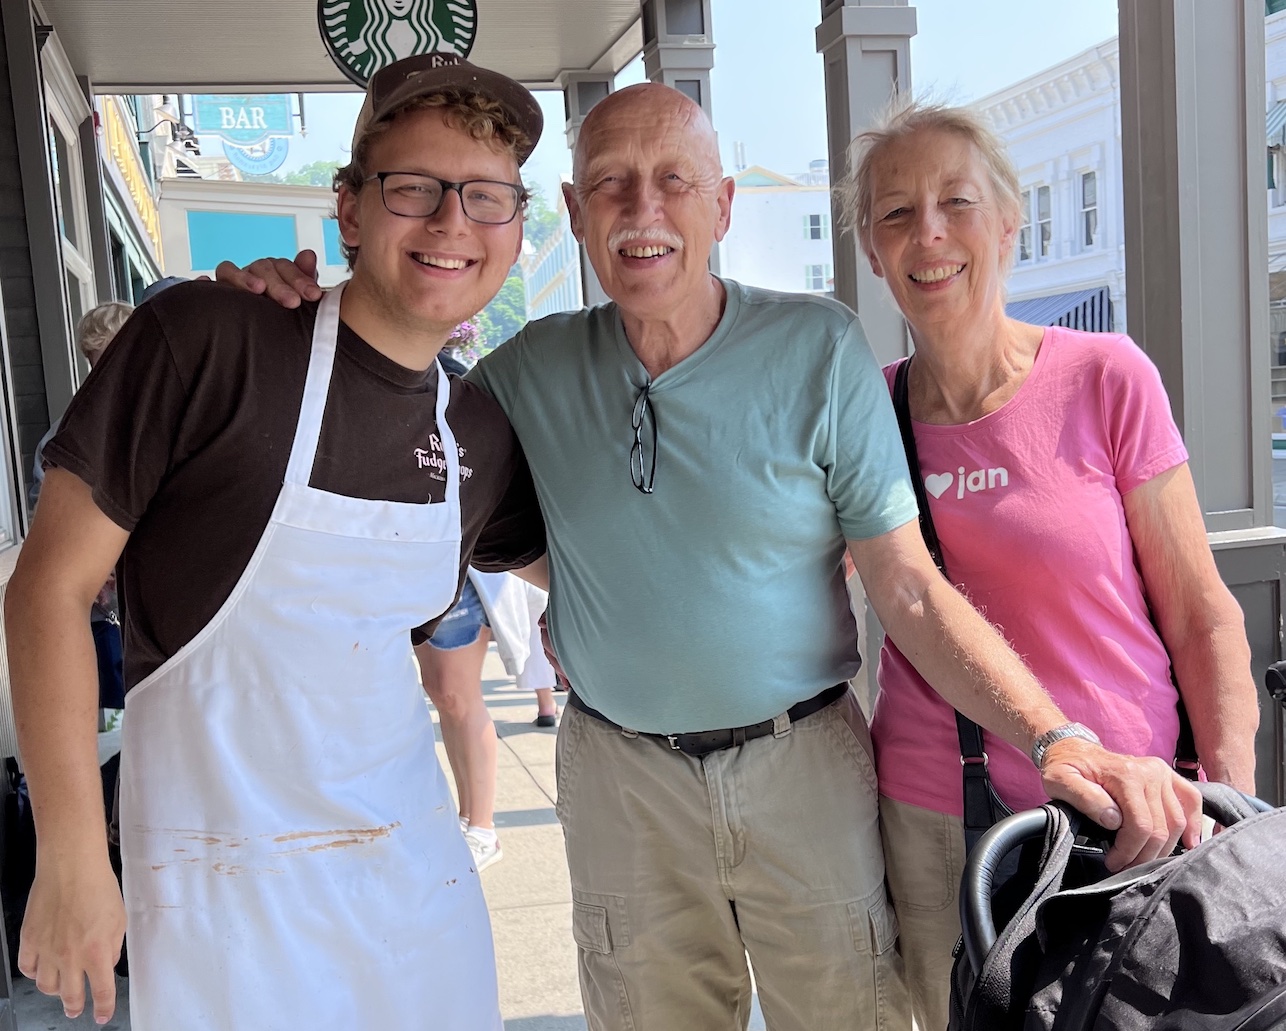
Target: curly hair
(99,325)
(906,117)
(480,117)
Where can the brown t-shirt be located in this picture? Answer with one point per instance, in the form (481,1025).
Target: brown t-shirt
(184,430)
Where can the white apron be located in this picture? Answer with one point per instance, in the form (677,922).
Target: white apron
(292,855)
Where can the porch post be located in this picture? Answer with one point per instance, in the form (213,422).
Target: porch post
(581,91)
(678,51)
(866,48)
(1192,134)
(866,51)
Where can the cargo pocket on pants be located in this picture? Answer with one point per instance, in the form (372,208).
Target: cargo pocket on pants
(875,935)
(600,928)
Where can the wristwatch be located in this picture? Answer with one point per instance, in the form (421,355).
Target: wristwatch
(1060,733)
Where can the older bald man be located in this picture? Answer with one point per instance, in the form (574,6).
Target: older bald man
(704,453)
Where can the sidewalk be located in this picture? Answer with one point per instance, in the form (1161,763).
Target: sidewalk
(527,891)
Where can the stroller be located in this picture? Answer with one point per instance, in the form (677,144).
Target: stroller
(1194,942)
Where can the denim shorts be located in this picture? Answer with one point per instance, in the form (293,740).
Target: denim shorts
(462,624)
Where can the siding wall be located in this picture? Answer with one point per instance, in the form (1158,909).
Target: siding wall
(16,283)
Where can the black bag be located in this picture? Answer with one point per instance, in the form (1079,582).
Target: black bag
(983,807)
(1193,942)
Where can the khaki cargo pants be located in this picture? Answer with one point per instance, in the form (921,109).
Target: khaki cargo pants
(680,867)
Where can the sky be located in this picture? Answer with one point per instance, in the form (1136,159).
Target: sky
(766,87)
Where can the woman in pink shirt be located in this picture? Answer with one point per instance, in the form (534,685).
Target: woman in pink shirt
(1059,488)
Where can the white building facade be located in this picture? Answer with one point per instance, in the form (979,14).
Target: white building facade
(551,275)
(780,236)
(1063,127)
(206,221)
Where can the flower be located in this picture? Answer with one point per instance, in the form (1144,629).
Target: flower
(466,343)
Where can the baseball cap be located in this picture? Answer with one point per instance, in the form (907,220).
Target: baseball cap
(391,88)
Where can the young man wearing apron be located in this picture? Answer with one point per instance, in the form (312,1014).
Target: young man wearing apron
(289,493)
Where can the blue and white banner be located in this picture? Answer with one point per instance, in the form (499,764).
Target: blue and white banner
(243,120)
(259,160)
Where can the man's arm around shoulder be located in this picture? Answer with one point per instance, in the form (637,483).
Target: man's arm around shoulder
(966,661)
(75,917)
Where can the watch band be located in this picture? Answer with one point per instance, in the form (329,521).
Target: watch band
(1060,733)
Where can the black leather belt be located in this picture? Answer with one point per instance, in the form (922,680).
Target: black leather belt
(706,741)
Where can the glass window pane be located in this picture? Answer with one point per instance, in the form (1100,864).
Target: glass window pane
(74,300)
(59,155)
(1042,203)
(1089,190)
(1275,55)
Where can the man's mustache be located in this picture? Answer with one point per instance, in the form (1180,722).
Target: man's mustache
(622,238)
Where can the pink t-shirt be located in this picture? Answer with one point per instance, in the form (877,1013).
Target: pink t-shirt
(1027,502)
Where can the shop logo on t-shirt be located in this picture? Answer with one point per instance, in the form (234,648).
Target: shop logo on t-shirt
(434,459)
(938,484)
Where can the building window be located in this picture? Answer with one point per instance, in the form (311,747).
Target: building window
(1089,209)
(1277,181)
(73,220)
(1024,233)
(1044,222)
(1274,6)
(817,227)
(816,277)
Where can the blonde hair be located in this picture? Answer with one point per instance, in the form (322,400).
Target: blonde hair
(481,118)
(905,117)
(98,326)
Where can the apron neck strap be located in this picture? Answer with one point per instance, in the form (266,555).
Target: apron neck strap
(321,361)
(316,388)
(449,450)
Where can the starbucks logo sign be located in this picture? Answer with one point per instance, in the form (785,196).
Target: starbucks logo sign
(364,36)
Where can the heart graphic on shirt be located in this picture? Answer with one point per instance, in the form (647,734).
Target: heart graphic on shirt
(937,483)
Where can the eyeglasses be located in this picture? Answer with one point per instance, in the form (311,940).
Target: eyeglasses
(412,195)
(643,411)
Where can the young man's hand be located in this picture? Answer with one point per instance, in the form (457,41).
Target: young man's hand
(286,282)
(73,928)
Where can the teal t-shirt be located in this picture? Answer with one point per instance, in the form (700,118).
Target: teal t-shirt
(718,600)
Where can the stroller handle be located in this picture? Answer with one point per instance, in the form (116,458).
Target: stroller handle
(977,926)
(1223,803)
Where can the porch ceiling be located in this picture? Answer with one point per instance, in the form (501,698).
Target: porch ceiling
(159,46)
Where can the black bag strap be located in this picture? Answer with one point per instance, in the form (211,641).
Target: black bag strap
(1186,761)
(978,810)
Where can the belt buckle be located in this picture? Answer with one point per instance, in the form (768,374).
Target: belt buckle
(674,742)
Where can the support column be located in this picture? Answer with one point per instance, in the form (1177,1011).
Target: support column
(678,51)
(677,47)
(96,203)
(866,53)
(866,49)
(1192,130)
(581,91)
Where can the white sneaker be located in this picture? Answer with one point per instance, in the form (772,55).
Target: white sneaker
(485,848)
